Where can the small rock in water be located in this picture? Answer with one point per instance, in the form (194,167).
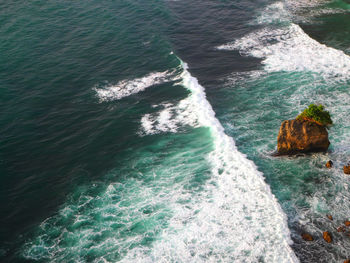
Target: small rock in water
(341,229)
(307,237)
(347,223)
(346,169)
(330,217)
(329,164)
(327,237)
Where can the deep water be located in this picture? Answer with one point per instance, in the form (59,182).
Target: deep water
(112,148)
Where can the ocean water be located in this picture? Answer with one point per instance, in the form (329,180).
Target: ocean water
(142,131)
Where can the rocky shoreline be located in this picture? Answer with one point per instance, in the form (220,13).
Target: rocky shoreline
(308,134)
(327,236)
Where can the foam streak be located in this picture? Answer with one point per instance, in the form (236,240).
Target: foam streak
(126,88)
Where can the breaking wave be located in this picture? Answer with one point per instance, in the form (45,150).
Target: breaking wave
(291,49)
(153,215)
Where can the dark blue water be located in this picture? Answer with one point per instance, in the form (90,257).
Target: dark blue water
(110,151)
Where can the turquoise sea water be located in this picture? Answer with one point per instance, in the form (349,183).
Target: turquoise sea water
(114,149)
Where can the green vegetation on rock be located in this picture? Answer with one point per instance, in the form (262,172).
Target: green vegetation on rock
(317,114)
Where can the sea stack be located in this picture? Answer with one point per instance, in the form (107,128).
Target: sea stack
(307,133)
(301,136)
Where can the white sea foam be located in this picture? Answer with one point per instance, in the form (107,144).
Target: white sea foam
(170,118)
(291,49)
(126,88)
(291,10)
(235,218)
(274,13)
(300,5)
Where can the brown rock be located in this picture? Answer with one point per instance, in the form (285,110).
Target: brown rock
(347,223)
(347,261)
(301,136)
(341,229)
(330,217)
(327,237)
(346,169)
(329,164)
(307,237)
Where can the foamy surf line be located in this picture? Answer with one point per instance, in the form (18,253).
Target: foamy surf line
(232,218)
(292,50)
(236,217)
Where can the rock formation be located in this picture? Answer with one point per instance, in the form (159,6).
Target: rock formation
(346,169)
(307,237)
(329,164)
(327,237)
(301,136)
(341,229)
(330,217)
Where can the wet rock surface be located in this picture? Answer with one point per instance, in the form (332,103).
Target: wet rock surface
(301,136)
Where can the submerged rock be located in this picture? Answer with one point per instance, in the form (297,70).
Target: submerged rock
(346,169)
(347,223)
(301,136)
(341,229)
(330,217)
(347,261)
(327,237)
(307,237)
(329,164)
